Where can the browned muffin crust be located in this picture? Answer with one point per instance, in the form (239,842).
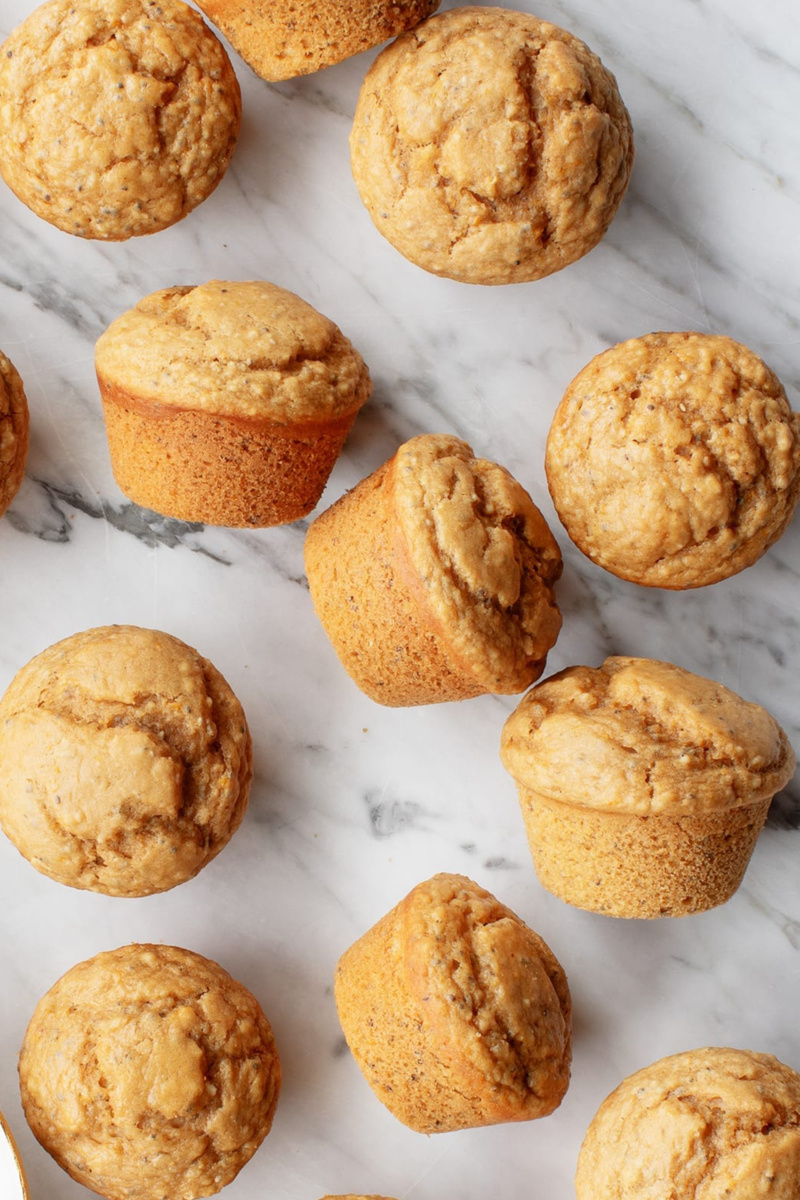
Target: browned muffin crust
(280,39)
(148,1072)
(457,1013)
(491,147)
(117,117)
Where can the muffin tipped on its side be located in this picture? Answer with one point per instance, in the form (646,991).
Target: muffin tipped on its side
(125,761)
(705,1124)
(456,1012)
(227,403)
(643,787)
(434,578)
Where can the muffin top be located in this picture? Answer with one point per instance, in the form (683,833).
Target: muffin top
(640,736)
(117,117)
(249,350)
(713,1124)
(484,556)
(13,432)
(674,459)
(490,146)
(126,761)
(496,1002)
(148,1072)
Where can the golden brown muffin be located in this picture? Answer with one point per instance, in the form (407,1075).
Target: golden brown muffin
(227,403)
(456,1012)
(490,146)
(150,1074)
(283,38)
(125,759)
(674,459)
(643,787)
(13,432)
(712,1124)
(434,577)
(117,117)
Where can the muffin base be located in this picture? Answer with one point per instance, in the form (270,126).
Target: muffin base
(383,1030)
(373,608)
(623,865)
(218,469)
(281,39)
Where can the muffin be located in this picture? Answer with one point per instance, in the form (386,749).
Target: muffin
(148,1072)
(708,1124)
(13,432)
(125,761)
(643,787)
(117,117)
(456,1012)
(491,147)
(674,459)
(283,38)
(227,403)
(434,577)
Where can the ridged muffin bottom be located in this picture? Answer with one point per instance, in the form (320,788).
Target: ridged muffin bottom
(215,468)
(625,865)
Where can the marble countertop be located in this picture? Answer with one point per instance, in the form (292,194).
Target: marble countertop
(354,804)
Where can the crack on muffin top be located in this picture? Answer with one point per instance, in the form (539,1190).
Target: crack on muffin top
(128,761)
(119,117)
(644,737)
(167,1077)
(492,992)
(484,555)
(706,1123)
(674,459)
(242,349)
(489,145)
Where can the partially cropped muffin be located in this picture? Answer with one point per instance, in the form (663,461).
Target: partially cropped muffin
(117,117)
(149,1073)
(125,761)
(674,459)
(711,1124)
(643,787)
(456,1012)
(491,147)
(13,432)
(283,38)
(12,1172)
(227,403)
(434,578)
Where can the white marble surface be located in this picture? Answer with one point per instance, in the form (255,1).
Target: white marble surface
(354,804)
